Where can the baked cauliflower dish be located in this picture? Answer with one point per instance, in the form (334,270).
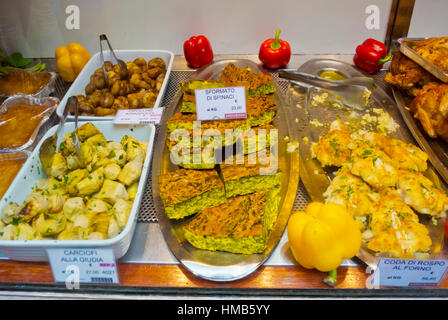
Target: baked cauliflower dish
(88,195)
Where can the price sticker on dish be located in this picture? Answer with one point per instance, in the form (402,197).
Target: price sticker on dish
(409,273)
(138,116)
(83,265)
(221,103)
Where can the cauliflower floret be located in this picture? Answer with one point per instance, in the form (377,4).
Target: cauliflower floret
(92,183)
(74,207)
(112,191)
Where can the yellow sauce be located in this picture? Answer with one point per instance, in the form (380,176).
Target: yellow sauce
(331,75)
(17,81)
(18,123)
(8,171)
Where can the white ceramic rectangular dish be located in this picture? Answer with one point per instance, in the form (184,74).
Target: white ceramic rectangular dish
(35,250)
(78,86)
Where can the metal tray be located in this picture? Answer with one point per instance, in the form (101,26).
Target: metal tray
(46,91)
(50,102)
(315,178)
(406,45)
(224,266)
(25,181)
(436,148)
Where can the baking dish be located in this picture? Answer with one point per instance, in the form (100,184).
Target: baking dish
(35,250)
(78,86)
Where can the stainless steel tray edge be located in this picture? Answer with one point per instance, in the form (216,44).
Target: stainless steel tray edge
(234,266)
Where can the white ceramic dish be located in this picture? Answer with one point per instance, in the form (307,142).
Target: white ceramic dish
(78,86)
(36,250)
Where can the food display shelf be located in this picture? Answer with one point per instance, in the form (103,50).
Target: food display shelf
(150,269)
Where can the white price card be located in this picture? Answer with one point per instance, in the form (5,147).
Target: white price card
(221,103)
(409,273)
(138,116)
(83,265)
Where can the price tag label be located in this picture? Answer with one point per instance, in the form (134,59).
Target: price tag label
(221,103)
(409,273)
(83,265)
(138,116)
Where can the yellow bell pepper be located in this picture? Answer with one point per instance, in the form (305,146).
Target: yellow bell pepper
(323,235)
(70,60)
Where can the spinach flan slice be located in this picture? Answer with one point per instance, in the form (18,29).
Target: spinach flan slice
(241,225)
(252,173)
(260,110)
(185,192)
(188,89)
(257,138)
(256,83)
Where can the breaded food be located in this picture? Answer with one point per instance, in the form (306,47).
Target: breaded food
(395,228)
(254,173)
(430,107)
(421,193)
(241,225)
(333,148)
(193,144)
(404,155)
(256,83)
(373,166)
(261,110)
(185,192)
(351,192)
(407,75)
(435,50)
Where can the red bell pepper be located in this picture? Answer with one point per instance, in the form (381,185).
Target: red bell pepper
(198,51)
(371,55)
(275,53)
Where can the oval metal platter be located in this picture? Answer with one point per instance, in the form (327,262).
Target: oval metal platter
(315,121)
(218,265)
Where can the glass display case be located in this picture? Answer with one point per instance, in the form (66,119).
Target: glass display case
(118,241)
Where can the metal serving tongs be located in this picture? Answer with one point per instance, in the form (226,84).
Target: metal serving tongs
(48,148)
(353,92)
(124,73)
